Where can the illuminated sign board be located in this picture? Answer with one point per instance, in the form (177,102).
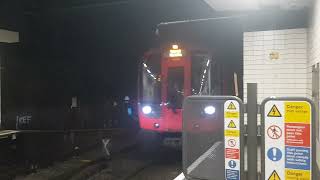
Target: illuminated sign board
(175,51)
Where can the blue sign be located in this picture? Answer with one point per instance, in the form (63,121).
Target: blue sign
(274,154)
(232,164)
(232,174)
(298,158)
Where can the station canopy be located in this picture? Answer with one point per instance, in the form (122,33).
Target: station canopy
(244,5)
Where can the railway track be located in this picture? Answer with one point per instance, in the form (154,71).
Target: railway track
(134,164)
(82,162)
(130,162)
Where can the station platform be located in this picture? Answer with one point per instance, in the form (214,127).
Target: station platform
(180,177)
(5,134)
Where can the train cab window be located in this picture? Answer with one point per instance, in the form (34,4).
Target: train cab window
(175,91)
(150,80)
(200,75)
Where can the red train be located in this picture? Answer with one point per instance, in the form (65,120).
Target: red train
(166,77)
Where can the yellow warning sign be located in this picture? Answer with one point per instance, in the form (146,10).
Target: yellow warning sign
(274,112)
(297,175)
(274,176)
(232,106)
(231,114)
(232,124)
(297,112)
(231,133)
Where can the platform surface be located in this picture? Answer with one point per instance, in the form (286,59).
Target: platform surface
(180,177)
(7,133)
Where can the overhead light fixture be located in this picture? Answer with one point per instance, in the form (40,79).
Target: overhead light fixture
(175,46)
(208,62)
(253,5)
(233,5)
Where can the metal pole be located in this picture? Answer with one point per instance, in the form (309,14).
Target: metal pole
(315,98)
(209,80)
(315,94)
(252,110)
(1,69)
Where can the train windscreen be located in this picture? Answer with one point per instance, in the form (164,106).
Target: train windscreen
(205,78)
(150,91)
(200,79)
(175,87)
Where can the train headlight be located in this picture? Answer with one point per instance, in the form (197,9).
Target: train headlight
(146,109)
(209,110)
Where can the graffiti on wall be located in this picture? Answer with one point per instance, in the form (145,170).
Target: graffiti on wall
(23,120)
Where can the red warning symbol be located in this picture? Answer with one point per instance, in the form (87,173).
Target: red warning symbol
(274,132)
(232,142)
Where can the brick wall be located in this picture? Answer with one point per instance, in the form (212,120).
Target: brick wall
(286,76)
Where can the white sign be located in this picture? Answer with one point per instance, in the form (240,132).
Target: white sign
(232,139)
(288,132)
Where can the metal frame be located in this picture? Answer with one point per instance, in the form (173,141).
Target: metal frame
(315,94)
(242,128)
(252,126)
(314,164)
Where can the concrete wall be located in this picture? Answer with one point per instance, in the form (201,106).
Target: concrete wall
(314,54)
(286,76)
(11,14)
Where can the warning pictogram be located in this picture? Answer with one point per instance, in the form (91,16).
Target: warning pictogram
(232,106)
(274,176)
(232,124)
(232,164)
(232,142)
(274,132)
(274,112)
(274,154)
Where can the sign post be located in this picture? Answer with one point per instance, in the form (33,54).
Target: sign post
(213,138)
(288,131)
(232,139)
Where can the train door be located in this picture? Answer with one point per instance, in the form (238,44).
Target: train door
(176,75)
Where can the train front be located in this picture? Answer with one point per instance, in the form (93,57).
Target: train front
(165,78)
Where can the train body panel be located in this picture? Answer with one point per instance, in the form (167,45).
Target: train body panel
(169,122)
